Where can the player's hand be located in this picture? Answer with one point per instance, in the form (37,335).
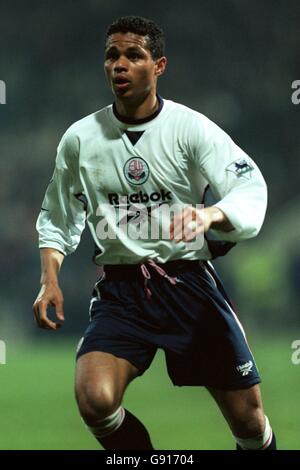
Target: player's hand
(49,295)
(190,223)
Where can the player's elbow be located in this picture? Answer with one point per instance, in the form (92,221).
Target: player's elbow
(250,231)
(252,214)
(252,224)
(247,222)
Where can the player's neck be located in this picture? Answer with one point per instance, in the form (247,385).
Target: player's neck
(138,109)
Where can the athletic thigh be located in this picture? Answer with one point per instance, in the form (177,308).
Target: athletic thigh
(101,379)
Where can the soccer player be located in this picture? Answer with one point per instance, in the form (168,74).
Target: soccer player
(115,170)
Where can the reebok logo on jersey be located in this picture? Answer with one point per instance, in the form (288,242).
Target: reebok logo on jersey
(136,170)
(245,369)
(140,197)
(138,214)
(241,167)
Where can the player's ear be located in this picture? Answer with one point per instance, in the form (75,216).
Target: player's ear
(160,66)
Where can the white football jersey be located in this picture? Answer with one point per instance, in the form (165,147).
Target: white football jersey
(123,191)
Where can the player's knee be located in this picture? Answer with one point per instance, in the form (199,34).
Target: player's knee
(96,402)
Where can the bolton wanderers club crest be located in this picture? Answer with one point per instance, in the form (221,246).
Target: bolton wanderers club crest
(136,170)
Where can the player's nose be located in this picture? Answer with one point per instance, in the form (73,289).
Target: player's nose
(120,65)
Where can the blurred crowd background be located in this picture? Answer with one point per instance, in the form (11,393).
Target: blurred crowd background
(233,60)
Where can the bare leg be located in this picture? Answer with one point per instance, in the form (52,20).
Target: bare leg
(242,409)
(100,382)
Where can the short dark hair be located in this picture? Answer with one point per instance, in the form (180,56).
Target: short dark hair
(143,27)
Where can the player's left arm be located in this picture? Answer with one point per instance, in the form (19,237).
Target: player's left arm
(234,178)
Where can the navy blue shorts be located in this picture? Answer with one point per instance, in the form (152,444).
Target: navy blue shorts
(192,320)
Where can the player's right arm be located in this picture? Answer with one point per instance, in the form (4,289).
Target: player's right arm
(60,224)
(50,293)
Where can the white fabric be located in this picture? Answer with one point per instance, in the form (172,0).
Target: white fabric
(109,424)
(181,152)
(260,442)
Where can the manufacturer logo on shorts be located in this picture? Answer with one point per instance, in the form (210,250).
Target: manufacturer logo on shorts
(245,369)
(136,171)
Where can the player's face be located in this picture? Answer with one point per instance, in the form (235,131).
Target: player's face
(130,69)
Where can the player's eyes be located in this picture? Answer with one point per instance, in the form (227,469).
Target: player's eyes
(130,55)
(111,56)
(133,56)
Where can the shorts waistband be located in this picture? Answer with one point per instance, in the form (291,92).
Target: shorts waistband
(133,271)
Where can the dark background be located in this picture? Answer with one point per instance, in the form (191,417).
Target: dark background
(233,60)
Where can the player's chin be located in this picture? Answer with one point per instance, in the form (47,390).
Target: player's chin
(122,91)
